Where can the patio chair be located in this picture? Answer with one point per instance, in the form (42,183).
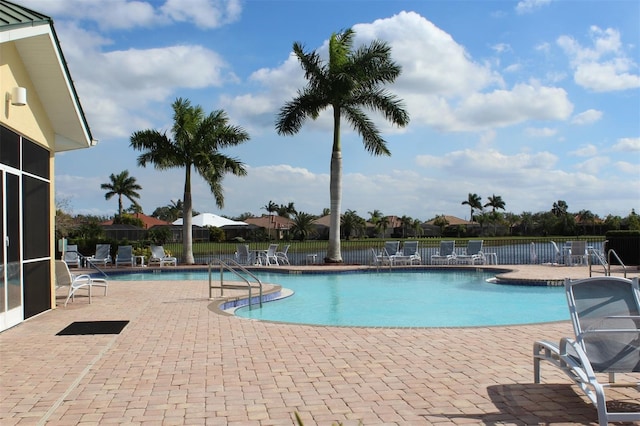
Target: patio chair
(71,256)
(578,253)
(380,258)
(408,255)
(283,258)
(557,255)
(124,256)
(243,255)
(392,248)
(160,258)
(472,254)
(268,257)
(102,255)
(64,277)
(446,255)
(605,313)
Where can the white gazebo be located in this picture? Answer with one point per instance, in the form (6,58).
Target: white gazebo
(210,219)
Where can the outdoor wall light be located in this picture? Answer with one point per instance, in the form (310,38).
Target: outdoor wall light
(18,96)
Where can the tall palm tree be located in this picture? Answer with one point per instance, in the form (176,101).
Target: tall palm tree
(406,222)
(351,82)
(474,202)
(286,210)
(271,208)
(495,202)
(122,185)
(378,221)
(416,225)
(196,144)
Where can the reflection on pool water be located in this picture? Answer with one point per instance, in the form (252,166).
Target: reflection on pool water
(401,299)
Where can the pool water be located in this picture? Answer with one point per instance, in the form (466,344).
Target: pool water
(397,299)
(409,299)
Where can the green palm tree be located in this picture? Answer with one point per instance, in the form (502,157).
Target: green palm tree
(271,208)
(474,202)
(122,185)
(495,202)
(196,144)
(406,222)
(350,83)
(302,226)
(286,210)
(351,224)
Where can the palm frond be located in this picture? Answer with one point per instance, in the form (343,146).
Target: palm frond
(373,142)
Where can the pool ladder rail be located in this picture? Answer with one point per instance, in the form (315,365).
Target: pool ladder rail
(249,279)
(605,261)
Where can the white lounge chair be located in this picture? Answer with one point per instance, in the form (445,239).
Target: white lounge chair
(71,256)
(380,258)
(269,257)
(282,256)
(557,255)
(124,256)
(159,257)
(605,313)
(102,255)
(243,256)
(64,277)
(473,254)
(408,255)
(446,255)
(392,248)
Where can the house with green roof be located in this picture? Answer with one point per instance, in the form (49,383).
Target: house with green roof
(41,116)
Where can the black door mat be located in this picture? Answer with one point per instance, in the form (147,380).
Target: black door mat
(93,327)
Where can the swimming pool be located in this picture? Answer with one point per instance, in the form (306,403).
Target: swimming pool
(451,298)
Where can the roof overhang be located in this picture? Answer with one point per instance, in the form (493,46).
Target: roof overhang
(40,52)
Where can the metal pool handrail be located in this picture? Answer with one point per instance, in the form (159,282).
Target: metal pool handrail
(606,263)
(231,265)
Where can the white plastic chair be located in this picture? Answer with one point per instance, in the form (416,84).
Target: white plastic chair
(64,277)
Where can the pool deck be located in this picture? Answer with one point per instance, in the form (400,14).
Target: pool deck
(177,362)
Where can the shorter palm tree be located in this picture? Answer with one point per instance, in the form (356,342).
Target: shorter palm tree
(122,185)
(302,226)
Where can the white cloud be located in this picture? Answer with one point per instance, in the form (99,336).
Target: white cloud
(528,6)
(506,107)
(589,116)
(203,13)
(128,14)
(604,67)
(501,47)
(628,168)
(593,166)
(543,132)
(627,145)
(585,151)
(117,87)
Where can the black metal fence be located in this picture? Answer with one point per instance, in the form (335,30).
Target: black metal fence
(505,251)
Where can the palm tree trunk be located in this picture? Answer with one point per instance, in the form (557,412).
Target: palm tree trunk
(335,194)
(187,215)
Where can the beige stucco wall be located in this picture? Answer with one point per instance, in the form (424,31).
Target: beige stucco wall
(30,121)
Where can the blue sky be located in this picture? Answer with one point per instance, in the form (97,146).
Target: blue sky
(533,100)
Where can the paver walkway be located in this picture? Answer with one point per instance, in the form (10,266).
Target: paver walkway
(177,362)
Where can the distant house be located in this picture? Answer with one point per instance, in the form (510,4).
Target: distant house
(148,222)
(276,226)
(455,225)
(41,116)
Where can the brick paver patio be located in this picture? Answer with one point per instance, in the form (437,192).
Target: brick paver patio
(177,362)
